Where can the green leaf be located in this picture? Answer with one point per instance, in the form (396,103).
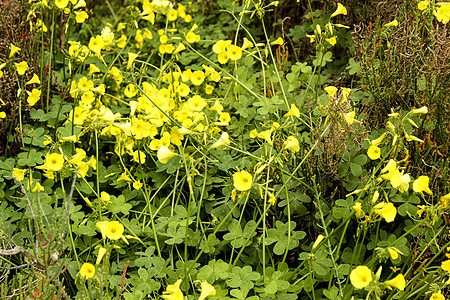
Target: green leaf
(355,169)
(118,205)
(353,67)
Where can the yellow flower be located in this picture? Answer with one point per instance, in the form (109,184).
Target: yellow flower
(319,240)
(445,265)
(221,46)
(87,271)
(360,277)
(266,135)
(222,141)
(358,210)
(222,57)
(386,210)
(33,96)
(331,90)
(61,4)
(442,12)
(397,282)
(197,77)
(130,90)
(404,183)
(14,50)
(54,162)
(101,226)
(423,5)
(391,24)
(350,117)
(191,37)
(312,38)
(207,290)
(373,152)
(35,79)
(80,4)
(437,296)
(19,174)
(246,44)
(164,154)
(278,41)
(341,10)
(394,252)
(393,175)
(242,181)
(421,185)
(445,200)
(173,291)
(96,44)
(137,185)
(81,16)
(101,253)
(114,230)
(85,84)
(38,187)
(139,157)
(131,57)
(272,200)
(234,52)
(332,40)
(292,144)
(293,112)
(21,67)
(422,110)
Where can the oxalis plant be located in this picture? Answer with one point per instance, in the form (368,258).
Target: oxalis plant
(178,157)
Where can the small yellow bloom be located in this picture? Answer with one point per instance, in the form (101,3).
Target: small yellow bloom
(360,277)
(293,112)
(114,230)
(422,5)
(2,115)
(101,253)
(87,271)
(278,41)
(442,12)
(137,185)
(386,210)
(206,290)
(21,67)
(266,135)
(242,181)
(421,185)
(437,296)
(164,154)
(374,152)
(394,252)
(222,141)
(247,44)
(131,58)
(173,291)
(234,52)
(358,210)
(331,90)
(319,239)
(35,79)
(33,96)
(14,50)
(350,117)
(53,162)
(397,282)
(292,144)
(391,24)
(332,40)
(19,174)
(272,200)
(101,226)
(341,10)
(445,265)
